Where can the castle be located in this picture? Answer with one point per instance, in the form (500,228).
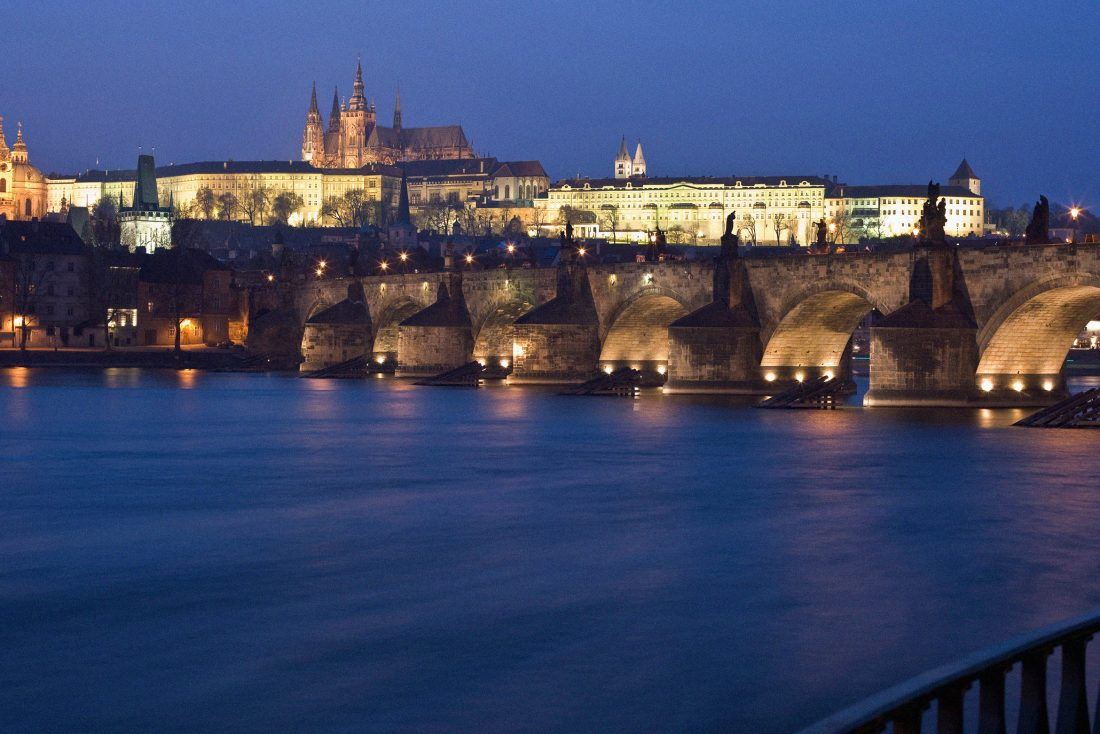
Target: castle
(354,138)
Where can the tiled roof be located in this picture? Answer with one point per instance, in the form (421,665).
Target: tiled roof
(964,171)
(520,168)
(450,167)
(913,191)
(211,167)
(746,181)
(54,238)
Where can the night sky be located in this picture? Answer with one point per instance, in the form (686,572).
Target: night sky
(874,92)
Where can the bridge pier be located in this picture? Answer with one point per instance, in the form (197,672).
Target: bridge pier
(559,342)
(438,338)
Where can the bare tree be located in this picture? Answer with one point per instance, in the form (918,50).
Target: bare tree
(747,224)
(779,225)
(29,281)
(539,218)
(611,219)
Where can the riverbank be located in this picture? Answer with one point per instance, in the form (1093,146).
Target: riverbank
(206,359)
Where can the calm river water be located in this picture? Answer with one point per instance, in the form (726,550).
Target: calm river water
(189,552)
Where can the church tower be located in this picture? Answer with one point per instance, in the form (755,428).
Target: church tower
(623,166)
(313,138)
(332,137)
(19,150)
(638,165)
(965,177)
(353,124)
(397,111)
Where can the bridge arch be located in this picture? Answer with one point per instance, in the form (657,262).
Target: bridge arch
(494,331)
(637,331)
(812,335)
(390,316)
(1024,344)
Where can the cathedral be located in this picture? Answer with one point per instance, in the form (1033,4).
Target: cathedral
(22,186)
(354,139)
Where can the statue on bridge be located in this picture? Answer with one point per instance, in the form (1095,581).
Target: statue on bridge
(933,218)
(1038,229)
(822,234)
(729,239)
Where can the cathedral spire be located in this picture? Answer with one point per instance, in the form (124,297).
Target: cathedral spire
(397,111)
(313,101)
(3,143)
(358,99)
(403,216)
(334,116)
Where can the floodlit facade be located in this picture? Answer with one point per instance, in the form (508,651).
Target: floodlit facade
(22,186)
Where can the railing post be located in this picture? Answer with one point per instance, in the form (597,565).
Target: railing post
(1073,707)
(1033,695)
(991,702)
(949,710)
(907,720)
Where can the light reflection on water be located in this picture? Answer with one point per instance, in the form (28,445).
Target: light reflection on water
(268,553)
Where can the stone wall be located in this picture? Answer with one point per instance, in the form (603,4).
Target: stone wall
(324,345)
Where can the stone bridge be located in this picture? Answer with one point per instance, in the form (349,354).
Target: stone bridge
(986,325)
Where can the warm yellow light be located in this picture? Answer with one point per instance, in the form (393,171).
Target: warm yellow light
(504,363)
(987,384)
(581,251)
(18,322)
(185,323)
(828,375)
(270,278)
(607,369)
(1048,385)
(511,248)
(1075,212)
(481,362)
(469,258)
(832,226)
(661,370)
(380,359)
(404,256)
(384,265)
(322,264)
(1018,386)
(517,350)
(770,377)
(319,272)
(799,376)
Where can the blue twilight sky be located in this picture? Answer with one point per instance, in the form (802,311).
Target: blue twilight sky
(882,91)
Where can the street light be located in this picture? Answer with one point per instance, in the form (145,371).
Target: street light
(384,266)
(1074,213)
(404,256)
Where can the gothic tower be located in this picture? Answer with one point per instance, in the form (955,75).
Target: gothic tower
(356,123)
(397,111)
(313,140)
(332,137)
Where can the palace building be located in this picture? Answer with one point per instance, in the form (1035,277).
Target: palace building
(22,186)
(354,138)
(773,210)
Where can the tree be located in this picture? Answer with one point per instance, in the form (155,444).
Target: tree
(779,226)
(285,205)
(112,285)
(256,202)
(539,219)
(611,219)
(228,205)
(29,281)
(351,209)
(105,222)
(676,234)
(747,224)
(205,201)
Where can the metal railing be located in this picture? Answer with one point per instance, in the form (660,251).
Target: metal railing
(902,707)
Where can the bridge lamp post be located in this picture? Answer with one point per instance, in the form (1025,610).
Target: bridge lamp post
(404,258)
(383,266)
(511,248)
(1074,213)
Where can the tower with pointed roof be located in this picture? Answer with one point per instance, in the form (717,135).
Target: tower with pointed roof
(965,177)
(402,233)
(637,165)
(397,111)
(313,138)
(145,225)
(623,166)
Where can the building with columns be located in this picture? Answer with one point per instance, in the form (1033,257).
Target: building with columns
(22,186)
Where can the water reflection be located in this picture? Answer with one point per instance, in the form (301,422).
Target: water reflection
(378,556)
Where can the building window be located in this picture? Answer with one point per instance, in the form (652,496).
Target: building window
(27,208)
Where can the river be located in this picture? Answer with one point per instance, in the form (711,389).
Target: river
(193,552)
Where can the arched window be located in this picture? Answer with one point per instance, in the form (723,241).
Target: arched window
(27,208)
(3,185)
(507,192)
